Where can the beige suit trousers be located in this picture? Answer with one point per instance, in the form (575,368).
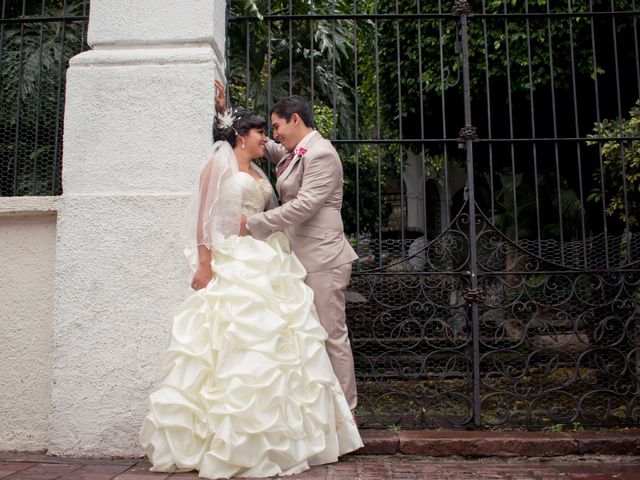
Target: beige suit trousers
(329,290)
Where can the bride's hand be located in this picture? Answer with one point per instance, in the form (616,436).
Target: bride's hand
(221,97)
(202,277)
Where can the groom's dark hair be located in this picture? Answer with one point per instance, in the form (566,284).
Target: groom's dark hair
(286,107)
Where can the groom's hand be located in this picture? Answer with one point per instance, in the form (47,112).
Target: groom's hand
(243,226)
(256,228)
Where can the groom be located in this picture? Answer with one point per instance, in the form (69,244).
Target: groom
(309,182)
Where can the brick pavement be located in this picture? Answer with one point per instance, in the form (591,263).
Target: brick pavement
(356,467)
(406,455)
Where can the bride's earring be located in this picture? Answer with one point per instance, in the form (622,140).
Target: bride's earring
(243,143)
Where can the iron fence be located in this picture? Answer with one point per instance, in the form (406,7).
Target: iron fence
(492,168)
(491,187)
(37,39)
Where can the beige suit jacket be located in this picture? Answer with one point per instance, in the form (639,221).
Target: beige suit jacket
(310,190)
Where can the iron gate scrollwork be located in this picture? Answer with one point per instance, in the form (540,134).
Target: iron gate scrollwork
(498,280)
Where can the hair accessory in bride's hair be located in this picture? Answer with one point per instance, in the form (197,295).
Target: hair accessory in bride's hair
(225,120)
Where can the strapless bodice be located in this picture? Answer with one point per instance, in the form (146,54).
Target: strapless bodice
(255,193)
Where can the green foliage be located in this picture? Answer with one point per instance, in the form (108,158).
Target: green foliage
(328,46)
(34,62)
(559,427)
(620,156)
(361,188)
(524,207)
(510,208)
(324,43)
(389,78)
(515,52)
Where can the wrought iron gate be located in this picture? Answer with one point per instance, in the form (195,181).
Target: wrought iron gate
(498,280)
(37,39)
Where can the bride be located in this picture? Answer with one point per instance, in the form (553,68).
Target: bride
(248,389)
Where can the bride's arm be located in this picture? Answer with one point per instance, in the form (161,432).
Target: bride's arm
(204,272)
(274,151)
(220,97)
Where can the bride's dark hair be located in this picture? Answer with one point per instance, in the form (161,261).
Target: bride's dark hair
(243,121)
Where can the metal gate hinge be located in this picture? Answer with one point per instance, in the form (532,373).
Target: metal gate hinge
(474,295)
(468,132)
(461,7)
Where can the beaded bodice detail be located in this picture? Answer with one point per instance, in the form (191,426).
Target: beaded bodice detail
(255,193)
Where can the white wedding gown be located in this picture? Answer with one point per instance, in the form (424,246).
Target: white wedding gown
(249,389)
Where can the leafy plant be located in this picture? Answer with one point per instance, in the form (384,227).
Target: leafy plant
(557,427)
(621,161)
(418,62)
(273,73)
(34,62)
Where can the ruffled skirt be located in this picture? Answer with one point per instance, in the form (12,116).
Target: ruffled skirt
(249,389)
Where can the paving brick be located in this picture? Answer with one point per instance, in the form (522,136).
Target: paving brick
(9,468)
(311,474)
(593,476)
(142,476)
(45,471)
(601,466)
(180,476)
(15,466)
(141,466)
(96,472)
(112,470)
(372,466)
(609,443)
(88,476)
(379,442)
(141,471)
(437,443)
(367,467)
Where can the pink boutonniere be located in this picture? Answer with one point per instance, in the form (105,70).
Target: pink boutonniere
(300,151)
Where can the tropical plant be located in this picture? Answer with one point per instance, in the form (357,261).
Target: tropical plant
(417,62)
(32,73)
(319,67)
(524,212)
(34,60)
(621,167)
(263,69)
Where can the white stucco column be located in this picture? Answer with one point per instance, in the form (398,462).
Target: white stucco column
(415,191)
(137,129)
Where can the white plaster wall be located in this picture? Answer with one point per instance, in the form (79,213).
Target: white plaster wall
(138,122)
(136,136)
(120,276)
(27,251)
